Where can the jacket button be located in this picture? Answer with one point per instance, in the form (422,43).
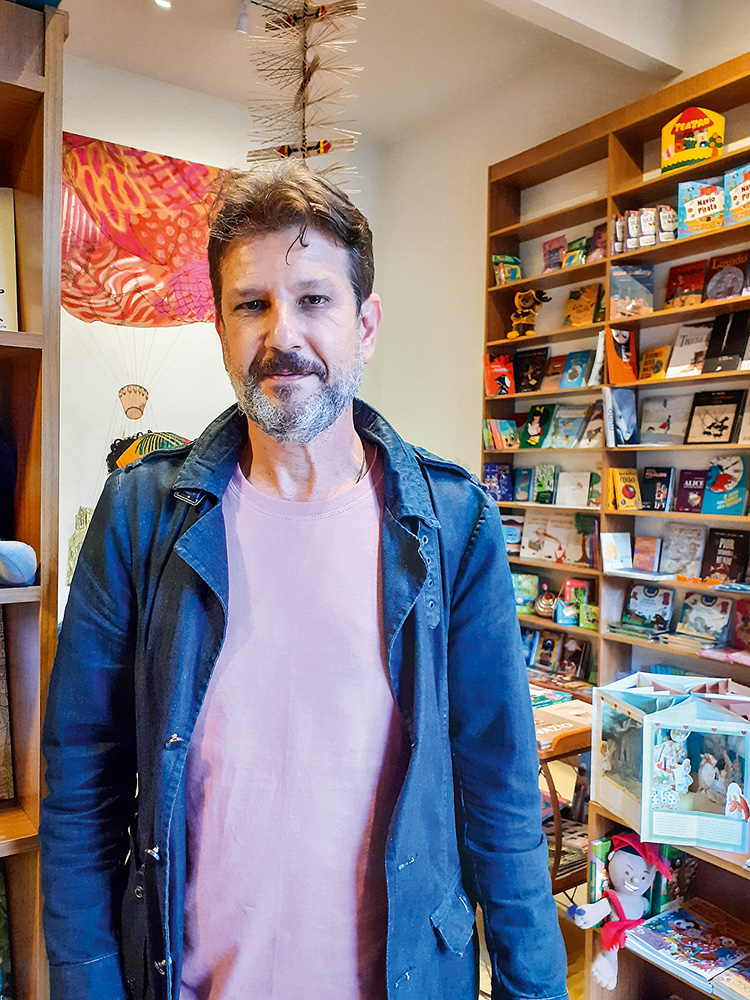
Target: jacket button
(154,852)
(174,741)
(138,892)
(161,967)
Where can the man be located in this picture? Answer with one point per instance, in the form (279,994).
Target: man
(299,633)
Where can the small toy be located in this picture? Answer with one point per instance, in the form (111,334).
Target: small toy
(524,318)
(707,772)
(631,869)
(545,603)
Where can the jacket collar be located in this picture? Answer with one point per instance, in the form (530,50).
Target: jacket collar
(214,455)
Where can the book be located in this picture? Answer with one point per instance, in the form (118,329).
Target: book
(598,249)
(584,306)
(534,531)
(573,489)
(689,350)
(706,617)
(700,206)
(7,787)
(576,252)
(567,426)
(557,537)
(553,252)
(547,653)
(512,531)
(529,643)
(506,432)
(544,483)
(654,363)
(627,493)
(583,542)
(620,422)
(734,983)
(729,340)
(498,372)
(529,368)
(8,287)
(715,416)
(685,284)
(577,366)
(506,268)
(657,483)
(664,420)
(522,485)
(691,485)
(616,554)
(727,276)
(526,591)
(534,431)
(622,356)
(593,432)
(737,195)
(646,552)
(498,478)
(594,498)
(726,486)
(555,368)
(574,657)
(648,607)
(726,555)
(597,368)
(682,549)
(631,291)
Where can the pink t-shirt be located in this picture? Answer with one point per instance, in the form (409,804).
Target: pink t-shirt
(296,761)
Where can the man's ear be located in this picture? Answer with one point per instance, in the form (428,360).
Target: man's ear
(370,315)
(218,324)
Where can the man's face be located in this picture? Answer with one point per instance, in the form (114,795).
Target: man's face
(294,344)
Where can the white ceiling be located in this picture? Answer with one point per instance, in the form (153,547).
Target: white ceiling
(421,58)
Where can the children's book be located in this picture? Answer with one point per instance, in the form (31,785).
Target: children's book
(646,552)
(706,617)
(691,486)
(548,651)
(529,368)
(685,285)
(689,350)
(598,249)
(622,357)
(616,554)
(534,431)
(682,549)
(557,537)
(596,375)
(512,531)
(506,268)
(583,543)
(553,252)
(498,478)
(544,483)
(726,486)
(555,369)
(574,657)
(648,607)
(576,252)
(595,490)
(577,367)
(627,493)
(725,558)
(522,485)
(631,291)
(657,483)
(620,421)
(557,721)
(737,195)
(534,531)
(573,489)
(734,983)
(567,426)
(729,340)
(700,206)
(529,643)
(498,372)
(727,276)
(594,431)
(526,591)
(654,363)
(584,306)
(715,416)
(507,431)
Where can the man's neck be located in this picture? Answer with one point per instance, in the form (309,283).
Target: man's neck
(328,465)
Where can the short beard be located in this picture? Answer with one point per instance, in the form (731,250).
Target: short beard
(278,415)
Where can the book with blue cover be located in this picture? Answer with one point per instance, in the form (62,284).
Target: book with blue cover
(522,485)
(726,486)
(568,423)
(498,478)
(577,368)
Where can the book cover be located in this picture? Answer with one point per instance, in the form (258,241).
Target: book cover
(522,487)
(734,983)
(682,549)
(648,607)
(593,433)
(737,195)
(534,531)
(598,243)
(728,342)
(512,531)
(631,291)
(553,252)
(507,432)
(594,498)
(574,657)
(664,420)
(654,363)
(656,487)
(705,616)
(689,350)
(544,483)
(526,591)
(7,790)
(583,542)
(555,369)
(726,486)
(597,369)
(624,421)
(742,623)
(583,306)
(627,493)
(498,372)
(577,367)
(700,206)
(685,285)
(646,552)
(573,489)
(567,426)
(727,276)
(616,554)
(715,416)
(725,558)
(557,537)
(547,654)
(536,428)
(622,357)
(691,485)
(8,292)
(529,368)
(498,478)
(529,643)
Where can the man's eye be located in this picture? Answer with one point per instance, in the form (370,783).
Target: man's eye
(315,300)
(254,305)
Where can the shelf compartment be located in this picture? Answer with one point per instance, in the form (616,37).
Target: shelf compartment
(678,447)
(680,515)
(656,189)
(688,380)
(530,505)
(703,588)
(20,595)
(549,623)
(687,246)
(563,333)
(656,647)
(565,276)
(557,451)
(565,218)
(585,390)
(548,564)
(706,310)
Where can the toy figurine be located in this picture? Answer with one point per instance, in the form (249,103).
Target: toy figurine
(631,869)
(524,318)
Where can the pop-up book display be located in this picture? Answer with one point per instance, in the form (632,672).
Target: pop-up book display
(695,777)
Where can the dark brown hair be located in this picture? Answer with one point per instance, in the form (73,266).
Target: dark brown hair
(283,195)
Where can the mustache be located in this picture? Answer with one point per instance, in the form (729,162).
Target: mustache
(286,363)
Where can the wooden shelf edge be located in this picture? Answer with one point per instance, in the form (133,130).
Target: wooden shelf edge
(530,505)
(17,832)
(676,515)
(678,447)
(683,246)
(703,588)
(583,390)
(588,331)
(564,218)
(13,338)
(537,451)
(549,564)
(25,81)
(694,170)
(658,383)
(663,317)
(562,276)
(20,595)
(549,623)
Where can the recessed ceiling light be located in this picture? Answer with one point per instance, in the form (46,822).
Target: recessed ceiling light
(167,4)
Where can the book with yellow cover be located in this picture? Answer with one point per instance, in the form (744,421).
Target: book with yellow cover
(627,490)
(654,363)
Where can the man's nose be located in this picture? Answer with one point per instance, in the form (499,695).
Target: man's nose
(282,330)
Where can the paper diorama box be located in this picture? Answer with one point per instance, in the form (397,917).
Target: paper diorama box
(695,777)
(693,136)
(700,206)
(737,195)
(617,736)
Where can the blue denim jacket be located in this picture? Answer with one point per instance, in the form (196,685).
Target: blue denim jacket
(143,627)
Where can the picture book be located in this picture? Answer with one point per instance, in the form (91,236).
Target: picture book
(593,432)
(573,489)
(726,486)
(526,591)
(553,252)
(577,367)
(632,228)
(725,558)
(706,616)
(567,426)
(685,284)
(522,485)
(598,249)
(557,537)
(506,268)
(646,552)
(7,788)
(727,276)
(597,369)
(544,483)
(657,483)
(737,195)
(548,651)
(631,291)
(529,368)
(622,356)
(576,252)
(691,486)
(507,431)
(616,554)
(620,422)
(693,136)
(728,343)
(689,350)
(498,372)
(715,416)
(648,607)
(649,226)
(583,542)
(555,368)
(534,431)
(734,983)
(742,623)
(498,478)
(668,893)
(627,493)
(529,643)
(654,363)
(557,721)
(618,234)
(534,531)
(512,530)
(584,306)
(682,549)
(595,490)
(574,657)
(700,206)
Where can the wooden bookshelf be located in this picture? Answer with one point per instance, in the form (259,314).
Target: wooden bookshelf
(31,164)
(614,149)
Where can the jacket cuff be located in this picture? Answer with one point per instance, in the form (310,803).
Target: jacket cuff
(98,979)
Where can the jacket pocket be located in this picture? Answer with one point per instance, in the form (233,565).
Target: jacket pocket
(454,919)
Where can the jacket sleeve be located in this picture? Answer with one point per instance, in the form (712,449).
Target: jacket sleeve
(496,764)
(88,742)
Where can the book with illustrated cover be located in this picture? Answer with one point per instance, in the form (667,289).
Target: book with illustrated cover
(664,419)
(737,195)
(682,549)
(622,356)
(627,492)
(567,426)
(715,416)
(557,537)
(727,276)
(534,431)
(734,983)
(595,490)
(577,367)
(529,643)
(685,285)
(743,434)
(620,421)
(657,483)
(700,206)
(631,291)
(646,552)
(726,555)
(7,789)
(512,531)
(529,368)
(526,591)
(689,350)
(648,607)
(573,489)
(544,483)
(705,616)
(498,478)
(8,293)
(729,340)
(498,372)
(574,657)
(555,369)
(553,252)
(593,433)
(726,486)
(583,543)
(691,486)
(522,485)
(534,531)
(507,432)
(598,249)
(597,369)
(548,651)
(584,306)
(654,363)
(616,553)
